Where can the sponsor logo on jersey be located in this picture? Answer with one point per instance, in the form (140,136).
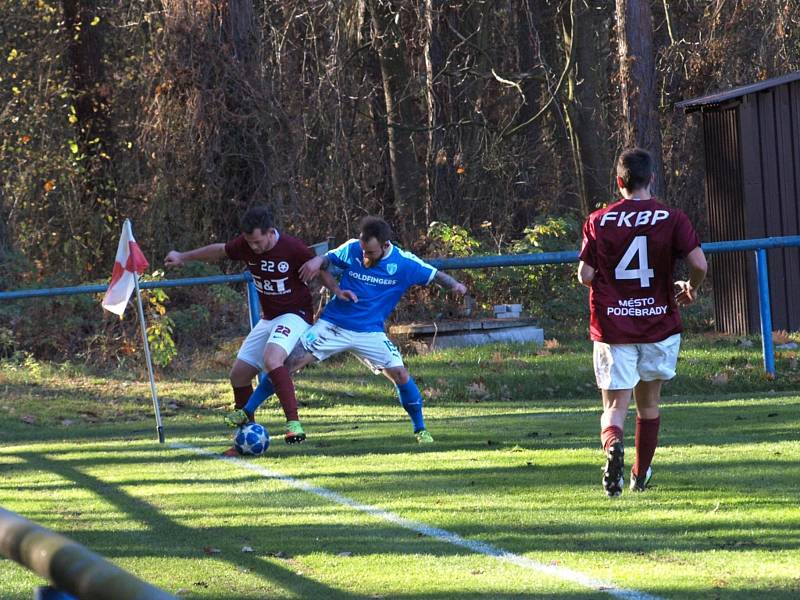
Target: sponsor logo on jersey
(634,218)
(391,268)
(283,266)
(372,279)
(636,307)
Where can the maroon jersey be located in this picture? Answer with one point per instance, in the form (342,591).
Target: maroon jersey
(275,274)
(633,245)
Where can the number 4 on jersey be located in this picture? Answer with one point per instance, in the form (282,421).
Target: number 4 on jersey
(643,273)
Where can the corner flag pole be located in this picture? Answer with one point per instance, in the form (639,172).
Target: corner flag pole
(153,392)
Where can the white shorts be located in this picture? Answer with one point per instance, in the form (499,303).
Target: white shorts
(325,339)
(285,331)
(622,366)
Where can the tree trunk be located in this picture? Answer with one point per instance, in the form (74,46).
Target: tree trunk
(387,38)
(637,72)
(442,181)
(92,94)
(585,106)
(89,229)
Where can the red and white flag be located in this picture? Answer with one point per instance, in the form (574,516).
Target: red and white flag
(130,263)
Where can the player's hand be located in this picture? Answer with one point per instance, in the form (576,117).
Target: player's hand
(310,269)
(173,259)
(459,289)
(346,296)
(686,293)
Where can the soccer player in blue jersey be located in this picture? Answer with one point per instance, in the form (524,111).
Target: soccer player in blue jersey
(375,274)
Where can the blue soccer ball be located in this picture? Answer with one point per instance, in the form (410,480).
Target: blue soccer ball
(251,439)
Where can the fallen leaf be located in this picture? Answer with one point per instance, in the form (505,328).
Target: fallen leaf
(477,389)
(432,393)
(247,549)
(781,337)
(209,550)
(345,554)
(720,378)
(29,419)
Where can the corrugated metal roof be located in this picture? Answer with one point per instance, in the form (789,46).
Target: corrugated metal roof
(738,92)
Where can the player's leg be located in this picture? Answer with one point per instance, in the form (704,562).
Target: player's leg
(285,335)
(615,372)
(247,365)
(648,421)
(249,362)
(241,375)
(382,356)
(296,360)
(657,364)
(410,400)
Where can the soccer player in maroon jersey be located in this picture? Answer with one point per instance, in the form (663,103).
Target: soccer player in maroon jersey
(274,260)
(627,260)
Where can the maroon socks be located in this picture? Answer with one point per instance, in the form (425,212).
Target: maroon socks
(646,442)
(284,388)
(241,395)
(609,435)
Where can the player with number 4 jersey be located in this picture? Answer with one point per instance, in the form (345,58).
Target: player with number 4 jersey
(627,260)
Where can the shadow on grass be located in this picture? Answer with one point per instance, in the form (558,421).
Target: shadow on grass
(181,541)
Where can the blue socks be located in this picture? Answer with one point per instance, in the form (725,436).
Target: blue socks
(261,393)
(411,399)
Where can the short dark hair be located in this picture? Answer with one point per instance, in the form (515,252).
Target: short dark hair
(635,168)
(375,227)
(258,217)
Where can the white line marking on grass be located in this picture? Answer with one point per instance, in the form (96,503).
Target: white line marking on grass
(434,532)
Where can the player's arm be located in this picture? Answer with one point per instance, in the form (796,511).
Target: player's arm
(585,274)
(210,253)
(698,266)
(311,268)
(329,281)
(446,281)
(318,267)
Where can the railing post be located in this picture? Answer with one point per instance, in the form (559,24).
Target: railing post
(766,312)
(253,308)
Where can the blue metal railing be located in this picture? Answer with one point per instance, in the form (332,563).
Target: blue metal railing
(759,246)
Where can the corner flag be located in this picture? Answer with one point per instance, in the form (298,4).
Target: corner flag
(130,263)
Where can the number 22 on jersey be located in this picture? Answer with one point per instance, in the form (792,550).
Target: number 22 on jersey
(638,250)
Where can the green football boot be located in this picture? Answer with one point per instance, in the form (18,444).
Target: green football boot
(423,437)
(294,433)
(238,418)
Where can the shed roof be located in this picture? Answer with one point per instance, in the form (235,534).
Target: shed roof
(737,92)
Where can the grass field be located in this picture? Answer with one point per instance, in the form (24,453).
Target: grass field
(361,511)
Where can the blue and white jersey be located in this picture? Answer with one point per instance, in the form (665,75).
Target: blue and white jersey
(379,288)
